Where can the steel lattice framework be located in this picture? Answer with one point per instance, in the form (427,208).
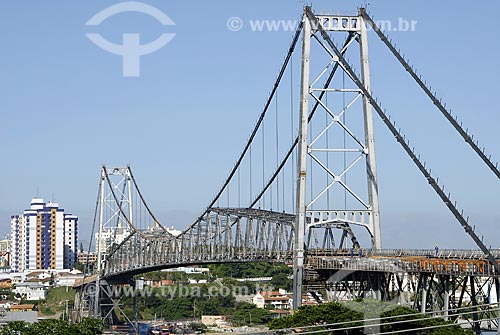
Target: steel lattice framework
(223,235)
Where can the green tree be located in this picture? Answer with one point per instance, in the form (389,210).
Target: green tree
(247,314)
(54,327)
(14,328)
(177,308)
(317,315)
(248,270)
(352,313)
(90,326)
(281,280)
(51,327)
(216,305)
(79,267)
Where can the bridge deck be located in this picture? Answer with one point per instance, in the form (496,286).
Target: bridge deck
(444,262)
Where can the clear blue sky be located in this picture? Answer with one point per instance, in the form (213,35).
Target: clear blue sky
(65,108)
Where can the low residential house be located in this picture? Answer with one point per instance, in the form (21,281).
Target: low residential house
(6,283)
(30,291)
(5,305)
(25,313)
(158,283)
(277,302)
(17,278)
(67,278)
(45,282)
(5,262)
(152,283)
(38,275)
(22,308)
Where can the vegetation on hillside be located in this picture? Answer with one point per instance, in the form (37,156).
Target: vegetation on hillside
(179,302)
(246,314)
(57,298)
(248,270)
(182,300)
(176,306)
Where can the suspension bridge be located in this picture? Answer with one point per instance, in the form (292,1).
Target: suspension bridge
(304,191)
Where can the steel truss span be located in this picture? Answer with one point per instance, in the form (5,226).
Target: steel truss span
(221,236)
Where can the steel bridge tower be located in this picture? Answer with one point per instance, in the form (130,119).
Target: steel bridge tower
(116,213)
(121,213)
(309,148)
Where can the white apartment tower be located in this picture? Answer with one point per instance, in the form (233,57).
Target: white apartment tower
(43,237)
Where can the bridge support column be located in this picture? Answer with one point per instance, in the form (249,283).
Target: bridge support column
(300,220)
(446,296)
(497,291)
(371,166)
(476,324)
(423,289)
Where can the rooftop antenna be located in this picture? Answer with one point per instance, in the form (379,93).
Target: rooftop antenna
(37,191)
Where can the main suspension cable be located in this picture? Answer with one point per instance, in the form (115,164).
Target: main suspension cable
(469,138)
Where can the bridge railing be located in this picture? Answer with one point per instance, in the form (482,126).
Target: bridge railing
(440,253)
(449,262)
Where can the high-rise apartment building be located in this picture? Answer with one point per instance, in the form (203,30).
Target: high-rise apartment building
(43,237)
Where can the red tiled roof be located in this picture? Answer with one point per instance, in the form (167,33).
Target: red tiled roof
(277,299)
(274,295)
(25,307)
(34,274)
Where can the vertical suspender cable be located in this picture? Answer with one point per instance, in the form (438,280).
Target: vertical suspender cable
(327,145)
(250,179)
(263,160)
(344,139)
(292,116)
(239,189)
(277,154)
